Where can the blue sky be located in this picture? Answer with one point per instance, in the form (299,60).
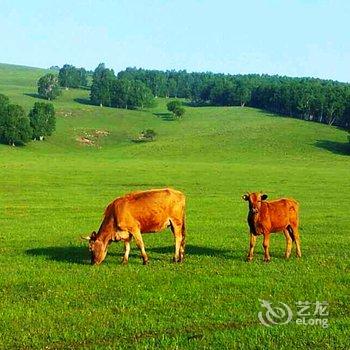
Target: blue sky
(294,38)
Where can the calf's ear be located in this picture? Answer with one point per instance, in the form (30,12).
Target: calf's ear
(245,197)
(263,197)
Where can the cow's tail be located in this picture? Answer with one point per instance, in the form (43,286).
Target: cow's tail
(183,229)
(291,232)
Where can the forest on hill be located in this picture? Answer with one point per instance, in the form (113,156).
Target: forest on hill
(323,101)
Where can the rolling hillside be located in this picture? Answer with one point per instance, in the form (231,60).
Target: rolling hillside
(51,192)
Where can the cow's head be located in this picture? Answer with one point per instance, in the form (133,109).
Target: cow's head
(254,199)
(97,248)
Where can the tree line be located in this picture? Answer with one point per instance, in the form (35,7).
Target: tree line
(106,89)
(17,127)
(324,101)
(68,77)
(109,90)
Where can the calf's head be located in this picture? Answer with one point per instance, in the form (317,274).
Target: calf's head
(254,200)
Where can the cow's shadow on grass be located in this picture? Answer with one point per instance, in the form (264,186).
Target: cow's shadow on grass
(194,250)
(80,254)
(71,254)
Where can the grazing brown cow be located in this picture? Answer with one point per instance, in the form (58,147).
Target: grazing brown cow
(265,217)
(129,216)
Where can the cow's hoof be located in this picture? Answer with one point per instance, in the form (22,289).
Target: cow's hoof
(249,258)
(176,260)
(125,262)
(267,260)
(145,262)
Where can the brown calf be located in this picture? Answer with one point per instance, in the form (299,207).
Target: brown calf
(265,217)
(129,216)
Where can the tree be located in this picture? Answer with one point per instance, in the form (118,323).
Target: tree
(4,102)
(48,86)
(172,105)
(140,95)
(176,108)
(102,85)
(243,91)
(127,93)
(120,93)
(14,126)
(70,76)
(82,77)
(55,68)
(42,120)
(179,112)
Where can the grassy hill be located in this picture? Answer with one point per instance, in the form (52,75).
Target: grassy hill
(52,192)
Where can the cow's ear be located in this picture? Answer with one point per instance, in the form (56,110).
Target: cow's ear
(245,197)
(263,197)
(93,236)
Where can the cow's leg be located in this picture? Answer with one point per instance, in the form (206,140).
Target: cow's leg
(289,242)
(139,243)
(266,245)
(183,240)
(252,242)
(182,248)
(176,228)
(126,249)
(297,241)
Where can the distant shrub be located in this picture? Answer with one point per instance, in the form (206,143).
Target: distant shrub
(146,136)
(172,105)
(176,108)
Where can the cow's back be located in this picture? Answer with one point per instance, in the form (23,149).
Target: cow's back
(151,209)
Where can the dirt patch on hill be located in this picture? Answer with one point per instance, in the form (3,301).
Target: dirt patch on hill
(85,141)
(91,137)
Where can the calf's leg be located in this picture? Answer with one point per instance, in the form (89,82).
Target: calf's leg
(266,245)
(288,243)
(252,242)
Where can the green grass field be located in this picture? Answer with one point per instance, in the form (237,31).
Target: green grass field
(52,192)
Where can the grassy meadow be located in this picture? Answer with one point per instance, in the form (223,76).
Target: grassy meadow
(52,192)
